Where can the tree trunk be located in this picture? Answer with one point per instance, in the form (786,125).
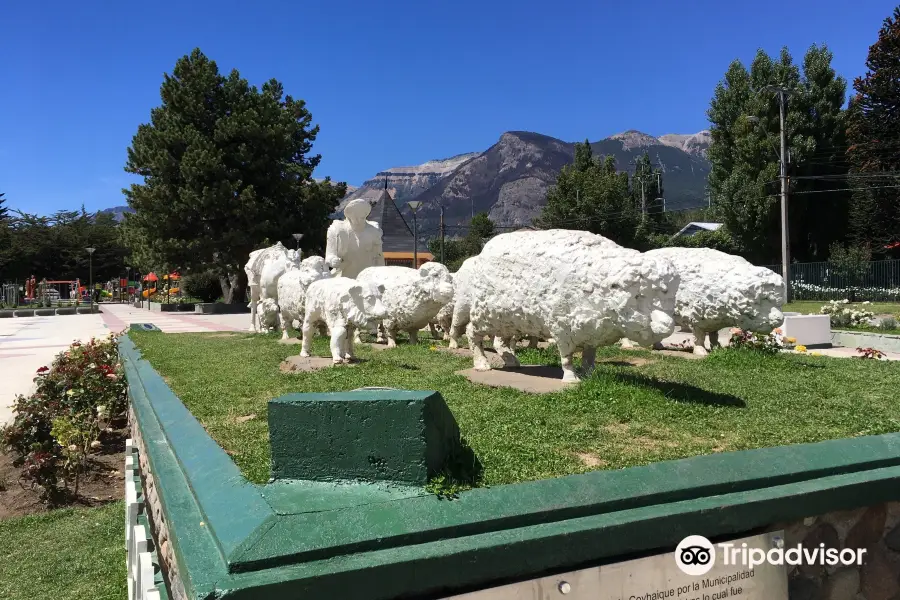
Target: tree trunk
(234,288)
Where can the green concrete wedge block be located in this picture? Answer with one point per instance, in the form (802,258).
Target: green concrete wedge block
(367,435)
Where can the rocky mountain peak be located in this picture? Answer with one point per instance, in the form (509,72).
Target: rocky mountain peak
(635,139)
(694,144)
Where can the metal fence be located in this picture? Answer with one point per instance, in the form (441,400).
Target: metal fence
(9,294)
(876,281)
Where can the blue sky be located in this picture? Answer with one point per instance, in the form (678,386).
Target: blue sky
(390,83)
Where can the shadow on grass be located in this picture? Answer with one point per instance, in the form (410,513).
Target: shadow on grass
(681,392)
(462,471)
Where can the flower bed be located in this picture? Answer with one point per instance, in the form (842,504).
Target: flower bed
(810,291)
(78,401)
(845,314)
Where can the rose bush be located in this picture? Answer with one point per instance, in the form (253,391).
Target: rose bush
(770,343)
(845,314)
(56,427)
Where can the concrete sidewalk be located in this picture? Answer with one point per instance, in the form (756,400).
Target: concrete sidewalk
(28,343)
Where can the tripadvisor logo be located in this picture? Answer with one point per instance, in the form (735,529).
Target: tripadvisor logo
(696,555)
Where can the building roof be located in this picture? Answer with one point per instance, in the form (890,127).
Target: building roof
(397,234)
(696,226)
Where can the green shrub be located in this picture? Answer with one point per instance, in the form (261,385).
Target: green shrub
(204,285)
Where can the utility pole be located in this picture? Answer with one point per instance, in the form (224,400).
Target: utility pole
(785,232)
(643,197)
(659,189)
(442,234)
(785,235)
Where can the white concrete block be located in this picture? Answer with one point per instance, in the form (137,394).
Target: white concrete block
(808,330)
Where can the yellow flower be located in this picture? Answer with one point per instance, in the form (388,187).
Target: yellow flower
(433,348)
(800,348)
(815,354)
(790,340)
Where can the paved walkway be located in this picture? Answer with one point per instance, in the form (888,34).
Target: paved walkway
(28,343)
(680,337)
(119,316)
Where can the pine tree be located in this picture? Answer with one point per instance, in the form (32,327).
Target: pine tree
(744,155)
(591,195)
(873,134)
(4,212)
(225,166)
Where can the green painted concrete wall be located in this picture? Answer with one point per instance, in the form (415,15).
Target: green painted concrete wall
(373,435)
(313,539)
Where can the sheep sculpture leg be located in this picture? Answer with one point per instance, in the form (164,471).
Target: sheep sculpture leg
(588,359)
(352,332)
(476,343)
(699,342)
(714,340)
(566,350)
(306,333)
(254,299)
(283,322)
(458,326)
(435,334)
(338,344)
(413,336)
(390,333)
(504,347)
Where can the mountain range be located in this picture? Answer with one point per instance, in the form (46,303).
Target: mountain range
(510,179)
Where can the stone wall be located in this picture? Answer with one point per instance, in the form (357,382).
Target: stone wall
(875,528)
(156,518)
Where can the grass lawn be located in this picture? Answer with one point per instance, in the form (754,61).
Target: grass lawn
(807,307)
(624,415)
(70,554)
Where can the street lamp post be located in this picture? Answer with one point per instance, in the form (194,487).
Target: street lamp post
(415,205)
(297,237)
(90,252)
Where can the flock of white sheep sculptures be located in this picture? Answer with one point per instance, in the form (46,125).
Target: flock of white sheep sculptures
(577,288)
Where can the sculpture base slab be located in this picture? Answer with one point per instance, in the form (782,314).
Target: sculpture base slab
(492,356)
(290,341)
(683,353)
(298,364)
(533,379)
(375,345)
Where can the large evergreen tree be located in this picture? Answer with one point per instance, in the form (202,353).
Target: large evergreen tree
(591,195)
(53,247)
(4,212)
(744,155)
(226,167)
(874,144)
